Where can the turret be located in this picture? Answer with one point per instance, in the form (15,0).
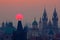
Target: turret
(44,22)
(55,20)
(34,24)
(44,18)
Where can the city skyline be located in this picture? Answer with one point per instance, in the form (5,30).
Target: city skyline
(33,8)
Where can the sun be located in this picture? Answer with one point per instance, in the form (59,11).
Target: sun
(19,16)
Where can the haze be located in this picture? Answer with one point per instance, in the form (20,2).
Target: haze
(29,8)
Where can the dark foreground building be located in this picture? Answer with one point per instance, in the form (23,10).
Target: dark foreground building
(20,33)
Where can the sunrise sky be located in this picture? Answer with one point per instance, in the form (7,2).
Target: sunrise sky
(29,8)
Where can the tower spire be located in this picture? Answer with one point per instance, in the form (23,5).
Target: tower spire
(44,14)
(44,22)
(44,18)
(34,23)
(54,13)
(19,26)
(55,20)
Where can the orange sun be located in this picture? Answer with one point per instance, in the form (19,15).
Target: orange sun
(19,16)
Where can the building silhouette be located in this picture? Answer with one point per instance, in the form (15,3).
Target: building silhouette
(43,30)
(46,30)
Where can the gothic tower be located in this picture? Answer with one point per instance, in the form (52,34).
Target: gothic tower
(35,24)
(50,31)
(19,27)
(40,25)
(44,21)
(19,32)
(55,21)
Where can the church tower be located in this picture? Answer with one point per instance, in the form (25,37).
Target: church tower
(19,32)
(35,24)
(50,31)
(19,26)
(44,21)
(55,21)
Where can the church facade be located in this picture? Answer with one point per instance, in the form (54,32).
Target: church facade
(45,29)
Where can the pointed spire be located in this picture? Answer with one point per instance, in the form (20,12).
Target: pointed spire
(44,17)
(19,26)
(44,14)
(55,13)
(55,17)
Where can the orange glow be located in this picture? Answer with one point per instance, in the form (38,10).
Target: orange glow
(19,16)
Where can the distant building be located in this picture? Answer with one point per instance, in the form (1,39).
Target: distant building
(46,30)
(6,31)
(42,30)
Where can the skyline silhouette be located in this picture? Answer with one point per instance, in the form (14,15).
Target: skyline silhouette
(33,8)
(42,30)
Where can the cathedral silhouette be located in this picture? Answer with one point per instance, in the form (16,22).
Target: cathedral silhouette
(44,30)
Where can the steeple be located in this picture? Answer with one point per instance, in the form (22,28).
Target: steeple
(55,20)
(40,24)
(44,14)
(44,17)
(51,31)
(55,17)
(34,23)
(44,22)
(19,31)
(19,26)
(54,13)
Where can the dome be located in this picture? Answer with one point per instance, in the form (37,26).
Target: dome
(34,22)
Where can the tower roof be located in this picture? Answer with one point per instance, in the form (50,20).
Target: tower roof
(44,17)
(44,14)
(55,17)
(19,26)
(34,22)
(55,12)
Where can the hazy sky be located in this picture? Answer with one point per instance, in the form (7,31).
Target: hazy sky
(29,8)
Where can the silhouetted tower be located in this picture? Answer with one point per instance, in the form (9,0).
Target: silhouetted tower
(55,21)
(19,27)
(50,31)
(35,30)
(40,24)
(44,22)
(35,24)
(19,33)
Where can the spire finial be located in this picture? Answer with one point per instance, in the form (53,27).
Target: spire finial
(44,13)
(55,13)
